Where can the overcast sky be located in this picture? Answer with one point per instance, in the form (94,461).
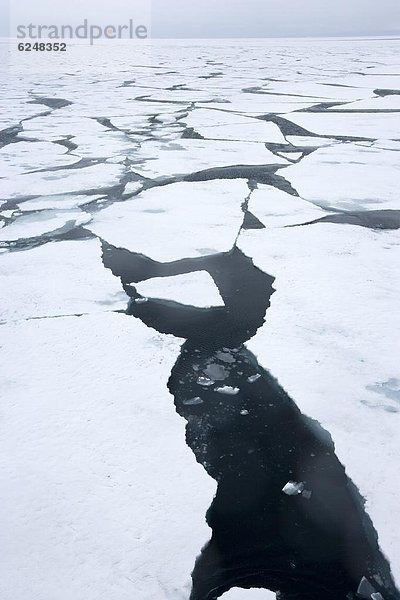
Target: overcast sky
(217,18)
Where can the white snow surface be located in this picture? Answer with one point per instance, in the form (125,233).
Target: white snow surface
(196,289)
(41,223)
(57,279)
(103,498)
(348,176)
(275,208)
(176,221)
(190,156)
(253,594)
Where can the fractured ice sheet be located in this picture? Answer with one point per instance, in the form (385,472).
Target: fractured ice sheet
(57,279)
(275,208)
(218,124)
(54,127)
(95,472)
(391,102)
(176,221)
(60,202)
(184,156)
(334,319)
(61,182)
(384,125)
(310,141)
(42,223)
(195,289)
(22,157)
(259,104)
(348,176)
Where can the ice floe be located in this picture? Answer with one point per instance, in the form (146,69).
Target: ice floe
(348,176)
(95,472)
(56,279)
(195,289)
(186,156)
(176,221)
(275,208)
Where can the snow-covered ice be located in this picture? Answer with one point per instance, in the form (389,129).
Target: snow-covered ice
(348,176)
(253,594)
(195,289)
(57,279)
(176,221)
(275,208)
(102,496)
(187,156)
(42,223)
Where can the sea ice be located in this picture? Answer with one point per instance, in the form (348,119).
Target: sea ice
(185,156)
(348,176)
(196,289)
(176,221)
(252,594)
(227,390)
(56,279)
(95,472)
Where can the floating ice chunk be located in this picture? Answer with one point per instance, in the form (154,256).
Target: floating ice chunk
(196,289)
(193,401)
(216,372)
(254,378)
(377,596)
(228,390)
(252,594)
(225,357)
(132,187)
(141,300)
(293,489)
(58,201)
(43,222)
(244,412)
(205,381)
(365,589)
(275,208)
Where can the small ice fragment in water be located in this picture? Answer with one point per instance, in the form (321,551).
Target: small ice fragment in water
(377,596)
(244,412)
(216,372)
(306,494)
(205,381)
(254,378)
(193,401)
(225,357)
(227,390)
(292,488)
(365,589)
(141,300)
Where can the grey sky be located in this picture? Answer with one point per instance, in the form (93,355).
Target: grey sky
(217,18)
(268,18)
